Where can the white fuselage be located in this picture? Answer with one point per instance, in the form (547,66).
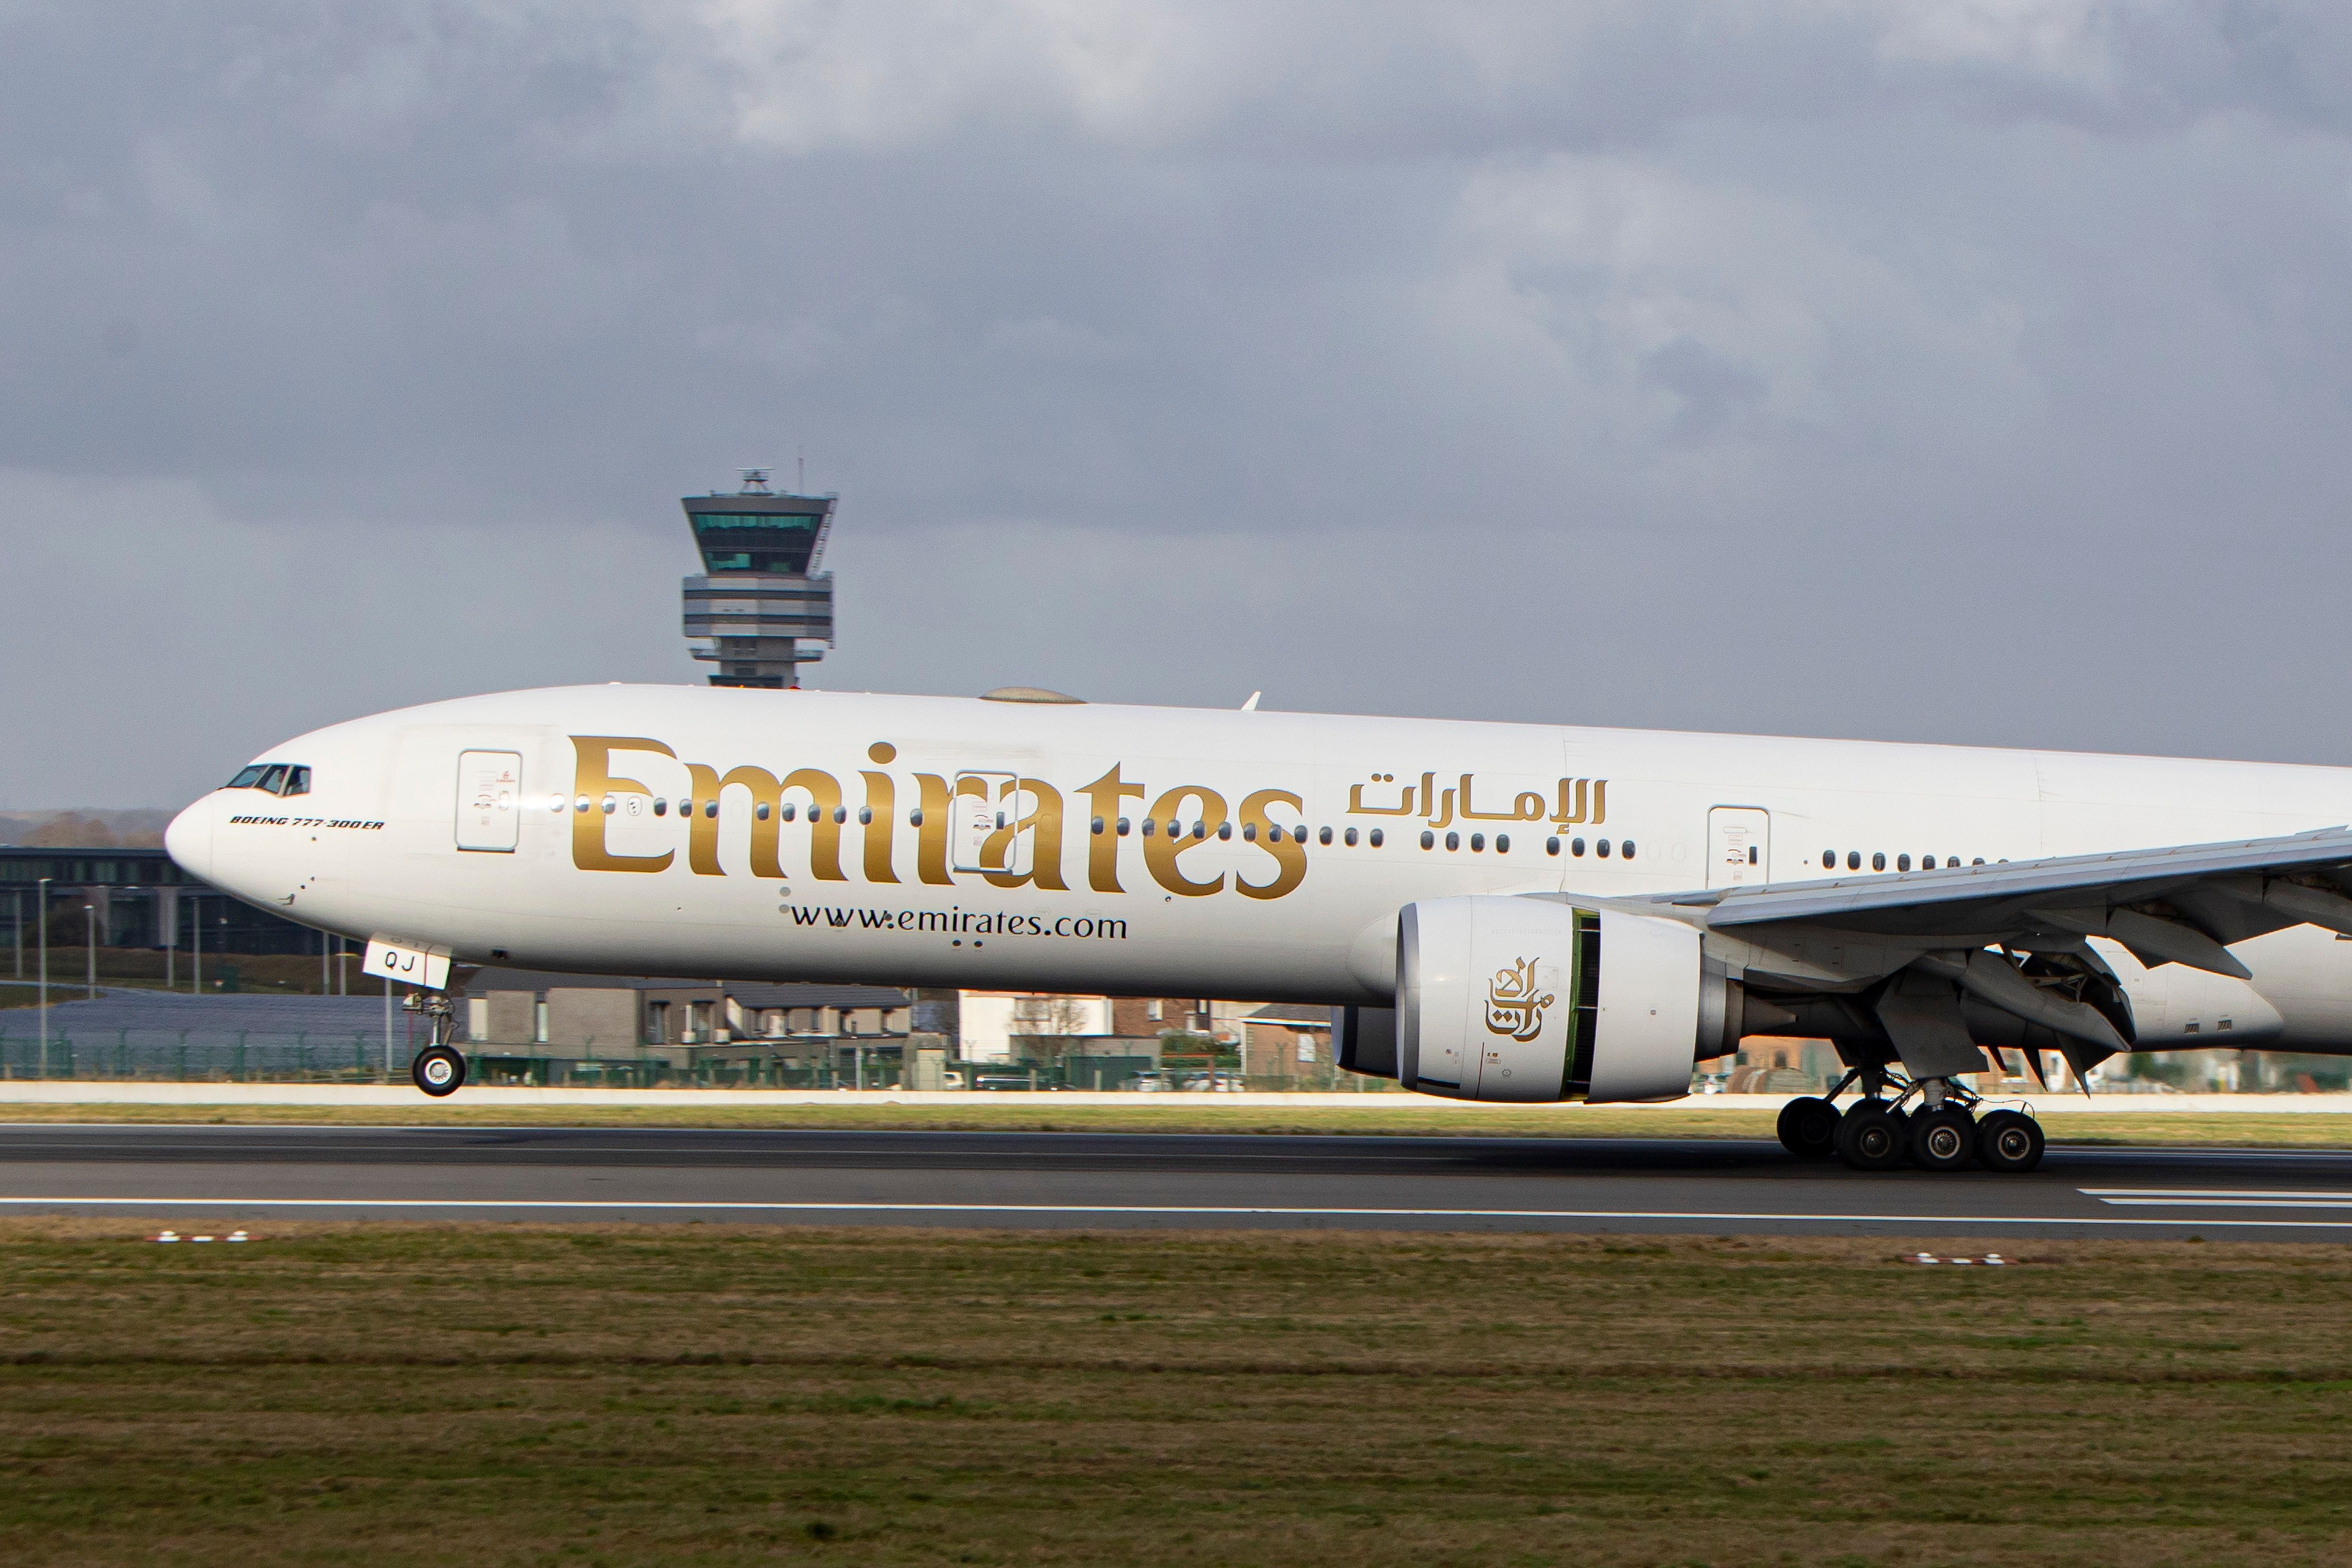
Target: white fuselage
(1047,903)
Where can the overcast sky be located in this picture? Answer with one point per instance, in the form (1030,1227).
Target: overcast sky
(1975,369)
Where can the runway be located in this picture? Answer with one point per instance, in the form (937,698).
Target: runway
(250,1174)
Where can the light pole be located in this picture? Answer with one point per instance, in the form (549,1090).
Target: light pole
(90,942)
(195,944)
(16,930)
(43,895)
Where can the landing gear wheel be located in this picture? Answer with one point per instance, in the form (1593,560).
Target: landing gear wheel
(2008,1141)
(438,1071)
(1808,1127)
(1870,1137)
(1944,1139)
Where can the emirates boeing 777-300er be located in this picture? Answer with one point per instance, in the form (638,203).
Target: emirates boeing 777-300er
(1494,912)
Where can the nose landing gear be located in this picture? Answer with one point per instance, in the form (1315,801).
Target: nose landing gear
(439,1068)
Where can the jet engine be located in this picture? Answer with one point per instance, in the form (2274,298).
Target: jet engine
(1532,999)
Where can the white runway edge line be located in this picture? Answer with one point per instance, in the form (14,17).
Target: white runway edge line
(2216,1197)
(682,1206)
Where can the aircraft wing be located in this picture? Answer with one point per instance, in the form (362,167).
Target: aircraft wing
(2179,905)
(1913,952)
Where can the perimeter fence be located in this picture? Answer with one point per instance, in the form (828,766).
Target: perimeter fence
(202,1056)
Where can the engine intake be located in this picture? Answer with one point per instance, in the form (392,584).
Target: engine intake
(1533,1000)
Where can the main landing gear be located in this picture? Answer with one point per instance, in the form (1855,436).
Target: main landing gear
(1940,1131)
(439,1068)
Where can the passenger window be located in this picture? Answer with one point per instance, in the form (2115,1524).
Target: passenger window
(1146,826)
(1453,841)
(1902,862)
(1098,825)
(661,805)
(1576,847)
(1376,837)
(1601,848)
(1324,836)
(865,818)
(1477,842)
(1854,859)
(297,782)
(760,811)
(1502,843)
(1348,837)
(1829,860)
(790,812)
(1225,830)
(1123,827)
(1625,848)
(1551,846)
(1878,860)
(1428,839)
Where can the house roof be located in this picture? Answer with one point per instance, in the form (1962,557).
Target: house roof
(1296,1015)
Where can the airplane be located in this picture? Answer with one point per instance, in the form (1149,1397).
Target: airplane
(1495,911)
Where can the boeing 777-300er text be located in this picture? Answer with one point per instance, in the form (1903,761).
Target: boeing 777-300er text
(1494,912)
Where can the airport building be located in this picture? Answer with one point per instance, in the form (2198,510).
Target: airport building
(136,898)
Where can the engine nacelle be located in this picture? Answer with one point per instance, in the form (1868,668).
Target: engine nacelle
(1532,999)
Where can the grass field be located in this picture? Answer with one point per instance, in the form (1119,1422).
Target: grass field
(485,1394)
(1409,1117)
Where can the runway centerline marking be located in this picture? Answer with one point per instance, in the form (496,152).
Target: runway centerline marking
(1235,1211)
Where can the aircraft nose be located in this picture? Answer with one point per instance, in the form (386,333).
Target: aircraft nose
(189,840)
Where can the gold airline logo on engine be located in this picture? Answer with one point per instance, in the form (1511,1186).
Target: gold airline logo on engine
(1514,1003)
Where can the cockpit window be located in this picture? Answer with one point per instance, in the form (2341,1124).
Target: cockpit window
(277,778)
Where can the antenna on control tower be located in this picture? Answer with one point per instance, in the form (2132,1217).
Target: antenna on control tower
(761,596)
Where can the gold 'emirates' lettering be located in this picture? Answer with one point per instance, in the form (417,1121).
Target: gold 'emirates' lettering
(591,762)
(1176,834)
(1044,826)
(1289,853)
(1183,822)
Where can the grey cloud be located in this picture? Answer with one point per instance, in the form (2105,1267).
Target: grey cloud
(1971,371)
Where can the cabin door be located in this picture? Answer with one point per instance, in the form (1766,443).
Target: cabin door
(1739,847)
(985,825)
(489,800)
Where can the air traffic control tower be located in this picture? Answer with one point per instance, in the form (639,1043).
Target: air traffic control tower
(762,601)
